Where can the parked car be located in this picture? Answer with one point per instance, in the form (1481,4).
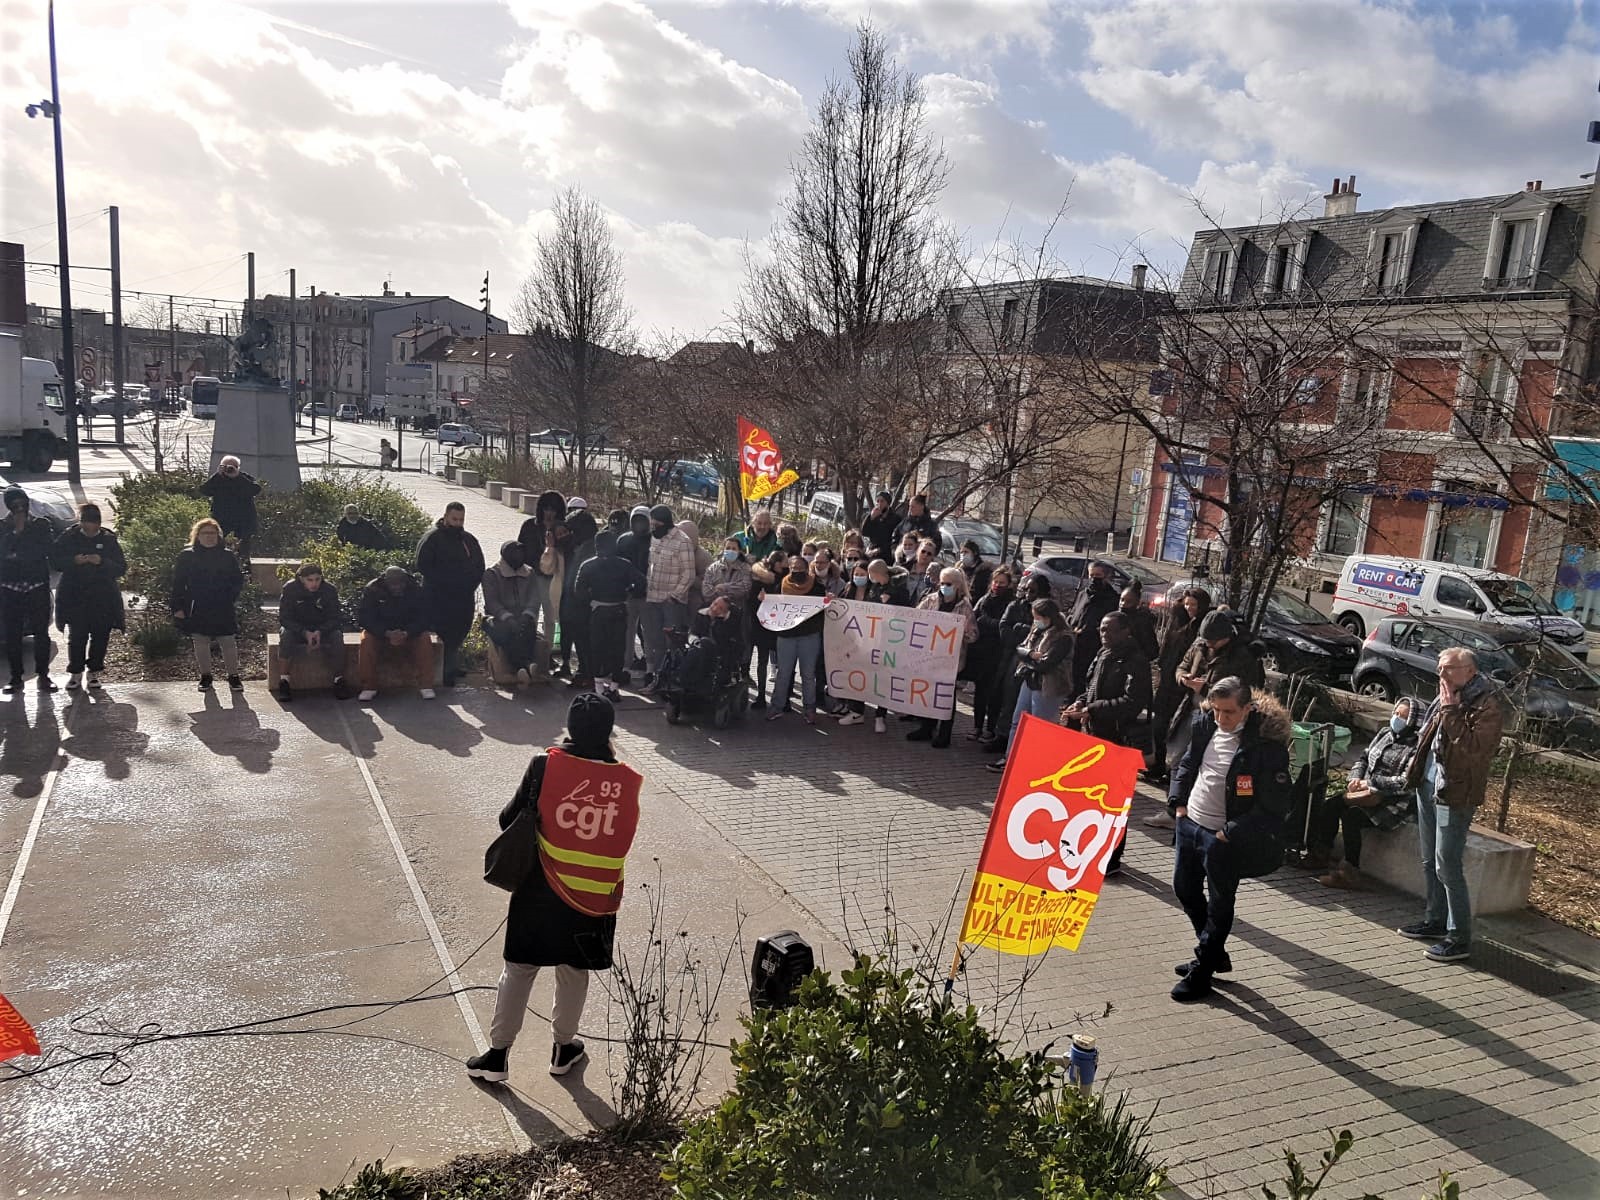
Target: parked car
(453,434)
(1374,586)
(1544,685)
(694,479)
(104,404)
(53,505)
(348,412)
(316,409)
(1066,573)
(991,542)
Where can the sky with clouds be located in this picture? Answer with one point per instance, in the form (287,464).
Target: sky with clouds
(421,143)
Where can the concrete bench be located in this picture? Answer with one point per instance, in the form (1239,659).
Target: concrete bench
(1499,868)
(264,573)
(469,479)
(494,488)
(310,672)
(512,497)
(529,502)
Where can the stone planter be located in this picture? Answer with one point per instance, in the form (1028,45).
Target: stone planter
(512,497)
(469,479)
(529,502)
(495,488)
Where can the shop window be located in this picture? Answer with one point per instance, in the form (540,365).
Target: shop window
(1343,527)
(1465,530)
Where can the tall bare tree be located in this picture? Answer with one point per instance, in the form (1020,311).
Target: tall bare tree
(573,304)
(839,300)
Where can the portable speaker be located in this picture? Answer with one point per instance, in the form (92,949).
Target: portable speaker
(781,961)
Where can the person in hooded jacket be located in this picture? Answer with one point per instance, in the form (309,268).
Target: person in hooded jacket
(88,597)
(635,547)
(1044,663)
(951,597)
(766,578)
(511,611)
(1377,797)
(206,582)
(878,526)
(760,537)
(1094,600)
(983,658)
(608,583)
(542,536)
(974,568)
(451,564)
(702,564)
(310,621)
(670,578)
(581,530)
(543,930)
(26,543)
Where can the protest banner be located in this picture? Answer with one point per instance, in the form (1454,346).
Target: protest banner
(761,472)
(1062,809)
(780,612)
(902,659)
(16,1035)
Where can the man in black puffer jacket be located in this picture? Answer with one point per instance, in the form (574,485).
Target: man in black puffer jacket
(606,585)
(310,621)
(25,545)
(635,547)
(1117,692)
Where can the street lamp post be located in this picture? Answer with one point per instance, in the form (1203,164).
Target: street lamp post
(51,108)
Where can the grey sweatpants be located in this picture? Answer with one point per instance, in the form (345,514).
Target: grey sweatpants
(511,1003)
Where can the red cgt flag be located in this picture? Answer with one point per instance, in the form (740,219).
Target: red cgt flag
(761,472)
(16,1035)
(1062,809)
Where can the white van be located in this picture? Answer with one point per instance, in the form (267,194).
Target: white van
(1374,586)
(349,412)
(827,508)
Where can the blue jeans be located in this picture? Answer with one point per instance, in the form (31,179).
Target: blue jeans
(1442,838)
(793,652)
(1204,863)
(1031,700)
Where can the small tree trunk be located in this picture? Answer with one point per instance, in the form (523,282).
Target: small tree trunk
(1510,777)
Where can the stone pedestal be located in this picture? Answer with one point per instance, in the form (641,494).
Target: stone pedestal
(256,424)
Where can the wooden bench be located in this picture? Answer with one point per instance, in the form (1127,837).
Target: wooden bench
(1499,868)
(310,673)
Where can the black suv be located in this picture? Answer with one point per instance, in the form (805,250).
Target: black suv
(1554,690)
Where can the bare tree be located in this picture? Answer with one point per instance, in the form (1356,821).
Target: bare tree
(574,307)
(840,299)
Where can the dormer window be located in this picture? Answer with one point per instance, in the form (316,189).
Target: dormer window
(1222,261)
(1516,241)
(1286,261)
(1390,247)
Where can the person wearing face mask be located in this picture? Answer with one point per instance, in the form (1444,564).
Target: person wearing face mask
(545,545)
(870,584)
(765,577)
(878,526)
(974,568)
(511,610)
(233,502)
(1181,628)
(666,599)
(799,648)
(1094,600)
(905,554)
(573,613)
(1141,623)
(951,597)
(788,540)
(635,547)
(984,656)
(1043,663)
(26,543)
(702,564)
(606,584)
(1377,796)
(451,564)
(728,577)
(1015,626)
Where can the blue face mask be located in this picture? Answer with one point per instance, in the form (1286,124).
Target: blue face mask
(859,580)
(947,590)
(729,556)
(1398,724)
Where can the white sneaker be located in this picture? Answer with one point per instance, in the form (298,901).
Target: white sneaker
(522,675)
(427,693)
(369,694)
(73,683)
(879,725)
(852,718)
(1160,821)
(94,680)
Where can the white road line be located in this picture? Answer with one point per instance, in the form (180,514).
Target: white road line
(446,962)
(20,867)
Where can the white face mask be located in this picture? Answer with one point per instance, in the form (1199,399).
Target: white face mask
(969,558)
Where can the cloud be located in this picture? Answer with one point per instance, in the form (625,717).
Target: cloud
(947,27)
(1436,101)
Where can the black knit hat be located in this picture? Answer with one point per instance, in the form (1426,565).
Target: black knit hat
(13,494)
(590,720)
(1217,625)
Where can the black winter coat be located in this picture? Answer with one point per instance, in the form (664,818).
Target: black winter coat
(363,533)
(985,653)
(89,593)
(1258,785)
(607,579)
(1094,601)
(924,526)
(635,545)
(382,612)
(300,610)
(451,564)
(25,555)
(879,533)
(205,586)
(1117,692)
(1142,625)
(233,502)
(542,931)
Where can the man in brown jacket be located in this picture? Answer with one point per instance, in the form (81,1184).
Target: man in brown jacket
(1450,772)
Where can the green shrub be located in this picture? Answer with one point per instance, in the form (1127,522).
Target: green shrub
(348,568)
(289,520)
(152,541)
(133,496)
(152,630)
(873,1087)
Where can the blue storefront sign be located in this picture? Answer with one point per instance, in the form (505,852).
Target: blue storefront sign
(1577,476)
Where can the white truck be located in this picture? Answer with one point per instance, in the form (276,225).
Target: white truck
(32,421)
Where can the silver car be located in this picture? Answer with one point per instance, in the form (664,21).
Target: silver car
(1067,572)
(53,505)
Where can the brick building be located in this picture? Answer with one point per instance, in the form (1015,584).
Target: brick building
(1444,327)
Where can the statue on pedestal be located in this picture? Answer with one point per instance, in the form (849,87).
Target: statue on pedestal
(251,364)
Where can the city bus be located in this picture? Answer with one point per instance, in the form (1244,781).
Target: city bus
(203,392)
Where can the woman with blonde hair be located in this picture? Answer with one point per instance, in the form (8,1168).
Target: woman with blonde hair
(950,597)
(206,582)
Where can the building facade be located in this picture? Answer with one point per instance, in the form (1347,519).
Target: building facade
(1435,339)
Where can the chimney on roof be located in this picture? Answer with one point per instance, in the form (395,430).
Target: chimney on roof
(1341,201)
(1139,272)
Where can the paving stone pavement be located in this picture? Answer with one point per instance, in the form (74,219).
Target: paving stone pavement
(1330,1020)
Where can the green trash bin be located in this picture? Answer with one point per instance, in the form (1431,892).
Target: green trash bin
(1312,742)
